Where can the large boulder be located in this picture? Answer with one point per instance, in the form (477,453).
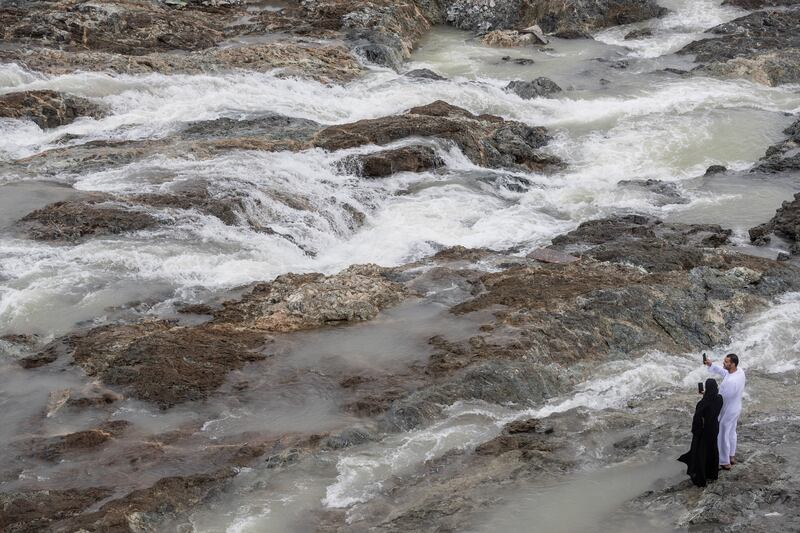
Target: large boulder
(763,46)
(487,140)
(48,109)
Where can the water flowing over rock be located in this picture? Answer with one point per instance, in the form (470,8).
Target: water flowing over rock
(641,283)
(48,109)
(170,364)
(664,193)
(763,46)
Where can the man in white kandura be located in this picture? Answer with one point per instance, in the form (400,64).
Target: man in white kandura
(731,390)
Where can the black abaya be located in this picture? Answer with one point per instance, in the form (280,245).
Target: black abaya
(702,459)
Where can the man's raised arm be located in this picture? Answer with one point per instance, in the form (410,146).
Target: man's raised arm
(716,369)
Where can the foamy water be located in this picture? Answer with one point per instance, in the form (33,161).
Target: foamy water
(668,129)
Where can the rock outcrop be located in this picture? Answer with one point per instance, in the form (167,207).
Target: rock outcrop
(785,224)
(388,162)
(487,140)
(73,220)
(571,18)
(784,156)
(168,364)
(763,46)
(640,285)
(48,109)
(528,90)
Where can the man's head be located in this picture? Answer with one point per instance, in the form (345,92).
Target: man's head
(731,362)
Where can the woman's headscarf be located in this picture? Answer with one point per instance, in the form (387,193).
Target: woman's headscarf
(711,389)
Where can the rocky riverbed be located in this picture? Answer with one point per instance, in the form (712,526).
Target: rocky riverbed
(430,265)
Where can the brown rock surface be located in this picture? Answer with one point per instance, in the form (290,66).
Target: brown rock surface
(167,364)
(388,162)
(72,220)
(486,139)
(48,109)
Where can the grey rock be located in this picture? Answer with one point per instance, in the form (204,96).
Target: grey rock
(424,74)
(715,169)
(531,89)
(663,193)
(784,156)
(785,223)
(388,162)
(763,46)
(48,109)
(638,34)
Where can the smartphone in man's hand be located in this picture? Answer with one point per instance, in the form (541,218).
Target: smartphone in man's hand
(700,388)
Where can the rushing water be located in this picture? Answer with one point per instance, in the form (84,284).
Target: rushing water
(620,118)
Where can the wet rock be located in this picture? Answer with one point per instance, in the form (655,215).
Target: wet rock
(271,126)
(424,74)
(326,62)
(166,364)
(759,4)
(663,193)
(643,241)
(785,224)
(48,109)
(508,39)
(638,34)
(388,162)
(35,510)
(73,220)
(302,301)
(381,31)
(784,156)
(571,18)
(146,509)
(53,448)
(551,256)
(715,169)
(764,484)
(486,139)
(120,26)
(522,61)
(763,46)
(194,196)
(528,90)
(537,33)
(159,362)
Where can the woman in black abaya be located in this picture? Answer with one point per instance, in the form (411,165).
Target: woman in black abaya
(702,459)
